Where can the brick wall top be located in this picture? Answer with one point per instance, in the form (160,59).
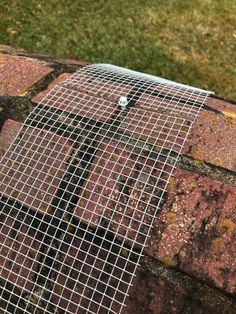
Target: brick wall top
(189,266)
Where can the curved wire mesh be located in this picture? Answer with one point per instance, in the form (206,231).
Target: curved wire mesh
(81,185)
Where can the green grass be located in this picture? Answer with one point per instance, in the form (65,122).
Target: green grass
(193,42)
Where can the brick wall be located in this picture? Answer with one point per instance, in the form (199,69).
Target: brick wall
(190,262)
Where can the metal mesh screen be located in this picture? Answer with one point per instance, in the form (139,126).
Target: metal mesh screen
(81,185)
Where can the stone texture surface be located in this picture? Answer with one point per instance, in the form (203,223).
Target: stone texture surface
(32,169)
(196,228)
(17,74)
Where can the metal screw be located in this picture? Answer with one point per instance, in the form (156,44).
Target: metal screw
(123,101)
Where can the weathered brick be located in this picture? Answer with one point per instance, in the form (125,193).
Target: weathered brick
(59,79)
(33,168)
(226,107)
(8,133)
(52,59)
(95,99)
(19,253)
(80,103)
(210,134)
(213,139)
(41,56)
(17,74)
(195,232)
(161,290)
(98,87)
(119,194)
(152,123)
(170,101)
(196,228)
(10,50)
(85,277)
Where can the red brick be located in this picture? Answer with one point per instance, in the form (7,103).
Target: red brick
(32,169)
(58,80)
(170,101)
(19,253)
(85,277)
(213,139)
(8,133)
(227,108)
(54,59)
(150,120)
(99,87)
(70,61)
(156,127)
(78,94)
(180,100)
(161,291)
(210,134)
(195,230)
(40,56)
(80,103)
(10,50)
(17,74)
(118,189)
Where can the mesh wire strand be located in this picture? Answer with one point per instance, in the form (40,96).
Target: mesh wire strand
(81,185)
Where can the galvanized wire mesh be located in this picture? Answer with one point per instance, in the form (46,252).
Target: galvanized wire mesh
(81,185)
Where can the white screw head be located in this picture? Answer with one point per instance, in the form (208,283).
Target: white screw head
(123,101)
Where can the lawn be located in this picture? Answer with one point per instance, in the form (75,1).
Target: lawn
(193,42)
